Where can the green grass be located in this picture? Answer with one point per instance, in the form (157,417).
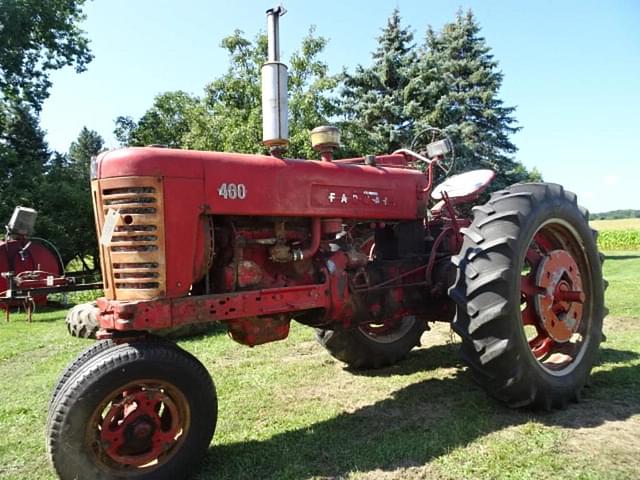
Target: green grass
(288,410)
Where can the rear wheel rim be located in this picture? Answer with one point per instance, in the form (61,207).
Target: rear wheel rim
(555,295)
(388,331)
(138,427)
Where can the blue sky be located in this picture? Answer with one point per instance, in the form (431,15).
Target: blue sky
(571,68)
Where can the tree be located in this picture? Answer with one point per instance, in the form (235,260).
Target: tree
(377,119)
(456,87)
(165,123)
(229,116)
(23,155)
(35,38)
(66,212)
(88,144)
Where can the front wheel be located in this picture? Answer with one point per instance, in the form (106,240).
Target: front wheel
(373,345)
(145,410)
(529,295)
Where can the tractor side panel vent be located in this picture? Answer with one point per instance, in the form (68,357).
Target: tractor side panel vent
(136,251)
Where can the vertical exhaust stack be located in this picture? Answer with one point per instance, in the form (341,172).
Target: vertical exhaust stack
(275,111)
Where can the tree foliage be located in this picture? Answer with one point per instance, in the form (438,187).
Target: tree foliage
(165,123)
(36,37)
(457,88)
(23,156)
(451,81)
(376,117)
(228,116)
(66,212)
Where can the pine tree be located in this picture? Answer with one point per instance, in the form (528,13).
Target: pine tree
(373,97)
(88,144)
(23,155)
(65,209)
(457,88)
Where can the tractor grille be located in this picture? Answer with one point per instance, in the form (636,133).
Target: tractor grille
(134,259)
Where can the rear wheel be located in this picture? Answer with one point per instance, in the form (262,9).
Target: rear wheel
(373,345)
(146,410)
(529,295)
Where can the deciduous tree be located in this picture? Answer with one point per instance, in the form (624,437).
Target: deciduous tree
(37,37)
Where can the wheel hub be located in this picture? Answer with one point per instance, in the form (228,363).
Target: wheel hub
(140,427)
(560,298)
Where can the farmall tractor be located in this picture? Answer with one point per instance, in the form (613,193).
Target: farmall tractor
(365,250)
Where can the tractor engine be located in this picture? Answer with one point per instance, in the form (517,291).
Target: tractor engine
(255,241)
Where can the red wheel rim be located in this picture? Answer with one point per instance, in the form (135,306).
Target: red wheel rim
(389,330)
(554,292)
(139,426)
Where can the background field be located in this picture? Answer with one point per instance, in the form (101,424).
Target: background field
(623,234)
(621,224)
(288,410)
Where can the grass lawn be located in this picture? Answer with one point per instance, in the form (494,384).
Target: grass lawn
(288,410)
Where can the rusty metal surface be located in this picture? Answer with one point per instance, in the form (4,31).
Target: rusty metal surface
(269,186)
(133,259)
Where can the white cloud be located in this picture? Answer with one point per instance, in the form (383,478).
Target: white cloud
(611,180)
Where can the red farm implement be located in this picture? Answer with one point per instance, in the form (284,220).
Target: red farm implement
(31,268)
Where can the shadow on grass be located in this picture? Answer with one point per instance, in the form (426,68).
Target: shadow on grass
(417,424)
(620,257)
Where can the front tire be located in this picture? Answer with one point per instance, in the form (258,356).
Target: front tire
(529,296)
(88,354)
(146,410)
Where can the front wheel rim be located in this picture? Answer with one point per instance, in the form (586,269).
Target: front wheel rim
(139,426)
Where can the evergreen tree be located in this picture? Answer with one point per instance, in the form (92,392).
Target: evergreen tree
(23,155)
(88,144)
(66,212)
(377,119)
(457,88)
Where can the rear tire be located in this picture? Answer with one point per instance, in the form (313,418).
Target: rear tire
(82,320)
(525,341)
(363,348)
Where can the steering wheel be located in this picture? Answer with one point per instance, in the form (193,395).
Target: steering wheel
(428,136)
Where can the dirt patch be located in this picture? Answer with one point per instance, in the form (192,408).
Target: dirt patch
(615,445)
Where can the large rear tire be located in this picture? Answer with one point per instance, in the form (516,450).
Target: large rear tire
(82,320)
(529,296)
(372,346)
(145,410)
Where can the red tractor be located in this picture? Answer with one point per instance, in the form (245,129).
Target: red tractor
(365,250)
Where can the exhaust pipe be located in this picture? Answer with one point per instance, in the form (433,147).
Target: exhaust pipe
(275,114)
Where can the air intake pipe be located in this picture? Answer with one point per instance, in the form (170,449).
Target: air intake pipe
(275,114)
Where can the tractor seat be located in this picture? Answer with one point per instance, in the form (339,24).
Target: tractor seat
(462,188)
